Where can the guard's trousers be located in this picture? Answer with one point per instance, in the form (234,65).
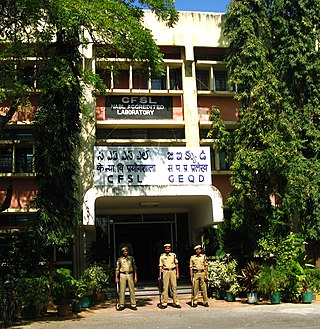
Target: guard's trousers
(198,281)
(169,277)
(124,279)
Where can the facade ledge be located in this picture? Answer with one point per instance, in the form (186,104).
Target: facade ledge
(210,62)
(216,93)
(142,142)
(228,124)
(143,92)
(18,175)
(207,141)
(123,124)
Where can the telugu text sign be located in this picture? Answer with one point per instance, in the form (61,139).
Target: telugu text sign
(152,166)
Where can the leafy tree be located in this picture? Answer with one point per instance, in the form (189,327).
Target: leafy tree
(53,33)
(274,60)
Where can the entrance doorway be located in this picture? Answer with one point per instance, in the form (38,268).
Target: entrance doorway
(145,235)
(146,243)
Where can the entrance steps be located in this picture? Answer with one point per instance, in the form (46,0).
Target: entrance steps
(151,290)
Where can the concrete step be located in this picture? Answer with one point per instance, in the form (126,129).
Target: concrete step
(152,291)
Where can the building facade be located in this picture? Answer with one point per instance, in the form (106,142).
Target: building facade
(149,174)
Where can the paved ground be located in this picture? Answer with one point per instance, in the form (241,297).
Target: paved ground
(220,314)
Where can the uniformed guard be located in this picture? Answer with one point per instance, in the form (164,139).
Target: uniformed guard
(126,271)
(169,273)
(198,276)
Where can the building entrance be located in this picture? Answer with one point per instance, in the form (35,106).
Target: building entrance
(145,236)
(146,244)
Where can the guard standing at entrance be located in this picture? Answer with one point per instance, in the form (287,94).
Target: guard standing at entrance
(126,271)
(169,273)
(198,276)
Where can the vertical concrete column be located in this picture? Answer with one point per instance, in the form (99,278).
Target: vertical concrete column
(190,102)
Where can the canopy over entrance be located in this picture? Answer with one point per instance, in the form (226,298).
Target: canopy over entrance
(203,203)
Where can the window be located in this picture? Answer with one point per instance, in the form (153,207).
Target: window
(121,79)
(105,76)
(158,83)
(203,79)
(139,81)
(16,159)
(219,159)
(223,162)
(23,160)
(6,159)
(220,81)
(175,79)
(27,75)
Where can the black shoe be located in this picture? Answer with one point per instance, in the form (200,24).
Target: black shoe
(134,308)
(194,305)
(176,306)
(206,305)
(162,306)
(120,308)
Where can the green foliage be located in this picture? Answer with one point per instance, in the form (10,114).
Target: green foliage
(20,252)
(249,276)
(210,238)
(33,293)
(282,250)
(62,286)
(223,274)
(54,33)
(287,255)
(275,151)
(271,280)
(96,277)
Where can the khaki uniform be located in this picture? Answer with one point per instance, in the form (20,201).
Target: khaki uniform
(168,264)
(126,267)
(198,264)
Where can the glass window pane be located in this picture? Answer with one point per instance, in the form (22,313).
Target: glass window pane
(6,159)
(23,160)
(203,81)
(224,164)
(139,81)
(175,79)
(158,83)
(221,81)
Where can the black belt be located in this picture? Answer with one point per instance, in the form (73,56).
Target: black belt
(169,269)
(197,271)
(126,272)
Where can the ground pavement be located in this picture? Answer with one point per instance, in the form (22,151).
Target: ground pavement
(220,314)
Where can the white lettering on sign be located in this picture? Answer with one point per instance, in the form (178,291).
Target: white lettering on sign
(136,99)
(152,165)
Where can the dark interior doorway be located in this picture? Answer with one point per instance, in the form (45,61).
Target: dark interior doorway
(146,243)
(145,235)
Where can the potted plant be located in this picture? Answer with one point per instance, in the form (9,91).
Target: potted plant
(306,280)
(223,276)
(33,295)
(96,277)
(270,282)
(214,278)
(62,287)
(229,277)
(248,281)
